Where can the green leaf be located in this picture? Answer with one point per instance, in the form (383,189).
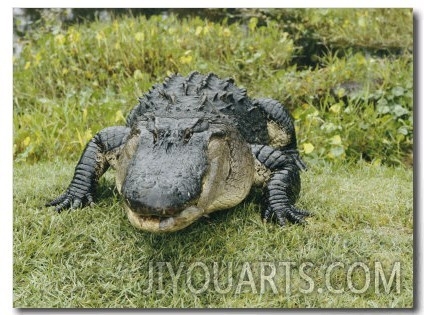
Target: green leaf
(329,127)
(399,111)
(403,130)
(398,91)
(363,125)
(383,109)
(336,152)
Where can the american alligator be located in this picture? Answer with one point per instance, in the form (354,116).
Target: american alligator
(191,146)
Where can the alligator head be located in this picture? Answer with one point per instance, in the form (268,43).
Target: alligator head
(178,169)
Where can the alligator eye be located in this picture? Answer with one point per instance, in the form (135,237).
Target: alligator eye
(187,135)
(201,125)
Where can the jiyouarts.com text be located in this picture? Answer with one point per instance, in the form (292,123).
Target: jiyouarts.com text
(282,277)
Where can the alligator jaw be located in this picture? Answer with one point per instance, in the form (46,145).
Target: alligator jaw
(156,224)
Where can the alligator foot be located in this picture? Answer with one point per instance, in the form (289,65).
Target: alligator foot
(281,215)
(283,185)
(67,200)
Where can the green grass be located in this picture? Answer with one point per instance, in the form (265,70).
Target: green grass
(93,257)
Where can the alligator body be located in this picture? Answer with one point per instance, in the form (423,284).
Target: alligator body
(194,145)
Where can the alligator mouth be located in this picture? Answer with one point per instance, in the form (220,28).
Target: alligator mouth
(146,211)
(163,224)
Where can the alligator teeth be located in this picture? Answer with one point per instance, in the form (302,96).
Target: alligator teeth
(166,223)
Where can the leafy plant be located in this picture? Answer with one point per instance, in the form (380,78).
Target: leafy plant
(349,101)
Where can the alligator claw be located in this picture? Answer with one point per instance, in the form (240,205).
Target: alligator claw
(63,205)
(282,215)
(299,162)
(90,201)
(68,201)
(76,203)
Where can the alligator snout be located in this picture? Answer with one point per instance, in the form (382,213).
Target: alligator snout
(159,199)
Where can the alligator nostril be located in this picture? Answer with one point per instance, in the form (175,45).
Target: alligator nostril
(147,184)
(165,185)
(169,146)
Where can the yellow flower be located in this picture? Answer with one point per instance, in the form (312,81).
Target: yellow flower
(206,29)
(139,36)
(186,58)
(60,39)
(100,36)
(226,32)
(37,58)
(26,142)
(73,36)
(119,116)
(308,148)
(335,109)
(198,30)
(115,25)
(137,75)
(89,75)
(336,140)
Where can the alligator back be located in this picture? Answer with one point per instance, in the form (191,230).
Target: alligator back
(203,96)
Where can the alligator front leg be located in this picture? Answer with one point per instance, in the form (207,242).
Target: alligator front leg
(282,159)
(92,164)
